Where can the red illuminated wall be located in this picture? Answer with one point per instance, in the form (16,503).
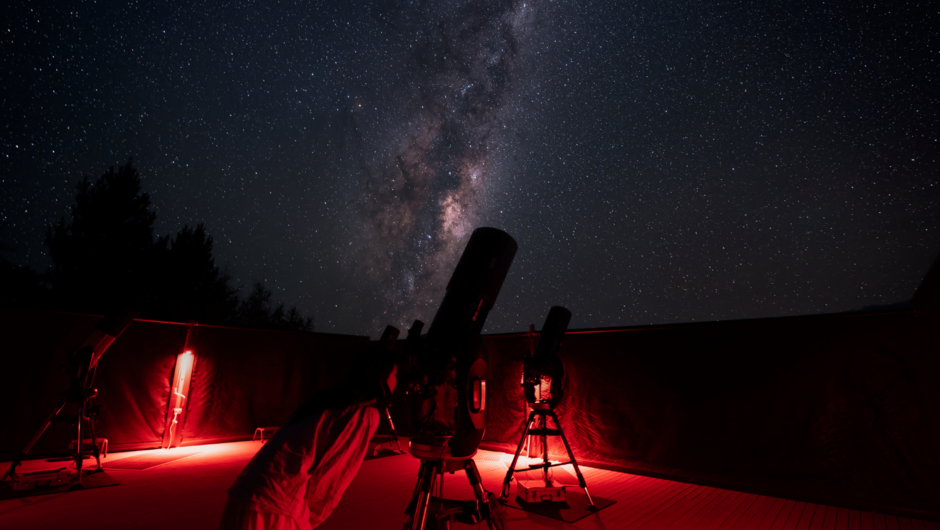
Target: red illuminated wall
(842,409)
(838,408)
(243,378)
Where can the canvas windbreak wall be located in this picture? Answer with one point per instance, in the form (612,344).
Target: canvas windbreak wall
(242,379)
(843,409)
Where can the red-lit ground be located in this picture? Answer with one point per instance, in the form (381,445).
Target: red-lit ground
(189,494)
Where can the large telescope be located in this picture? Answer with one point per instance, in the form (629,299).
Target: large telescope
(453,341)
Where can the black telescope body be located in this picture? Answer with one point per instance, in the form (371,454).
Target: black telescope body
(545,366)
(388,338)
(553,331)
(473,288)
(453,340)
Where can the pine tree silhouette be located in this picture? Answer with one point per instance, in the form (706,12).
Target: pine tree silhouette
(105,256)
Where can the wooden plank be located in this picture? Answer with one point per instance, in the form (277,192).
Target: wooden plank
(628,506)
(684,515)
(680,504)
(767,520)
(637,485)
(833,520)
(612,487)
(790,509)
(808,513)
(655,505)
(744,522)
(728,510)
(630,499)
(769,504)
(714,504)
(843,519)
(826,516)
(854,520)
(879,521)
(641,497)
(669,506)
(892,522)
(819,517)
(709,516)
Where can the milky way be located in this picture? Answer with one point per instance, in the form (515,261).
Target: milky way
(656,162)
(422,202)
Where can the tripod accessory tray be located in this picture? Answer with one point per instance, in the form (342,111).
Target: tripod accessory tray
(49,478)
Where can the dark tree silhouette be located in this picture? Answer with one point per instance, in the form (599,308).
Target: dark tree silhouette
(104,257)
(191,286)
(21,286)
(255,312)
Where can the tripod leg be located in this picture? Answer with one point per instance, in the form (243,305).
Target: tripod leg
(94,441)
(418,509)
(25,452)
(512,467)
(486,511)
(410,510)
(80,444)
(424,500)
(394,434)
(544,426)
(574,462)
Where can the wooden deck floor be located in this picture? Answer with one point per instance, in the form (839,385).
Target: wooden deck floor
(190,494)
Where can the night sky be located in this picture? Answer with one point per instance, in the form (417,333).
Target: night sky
(656,161)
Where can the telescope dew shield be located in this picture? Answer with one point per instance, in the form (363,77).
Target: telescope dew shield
(388,338)
(107,331)
(454,333)
(544,370)
(473,288)
(553,331)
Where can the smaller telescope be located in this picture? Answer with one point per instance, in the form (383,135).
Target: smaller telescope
(543,383)
(543,372)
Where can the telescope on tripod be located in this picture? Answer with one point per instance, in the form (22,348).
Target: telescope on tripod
(453,353)
(543,385)
(82,367)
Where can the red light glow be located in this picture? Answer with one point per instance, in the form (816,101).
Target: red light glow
(182,376)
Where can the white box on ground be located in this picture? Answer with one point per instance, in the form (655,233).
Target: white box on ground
(536,491)
(42,479)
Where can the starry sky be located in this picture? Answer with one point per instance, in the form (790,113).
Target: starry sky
(656,161)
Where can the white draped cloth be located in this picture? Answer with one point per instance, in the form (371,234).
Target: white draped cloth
(297,478)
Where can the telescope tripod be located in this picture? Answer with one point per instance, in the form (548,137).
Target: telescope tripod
(82,366)
(85,413)
(435,461)
(540,413)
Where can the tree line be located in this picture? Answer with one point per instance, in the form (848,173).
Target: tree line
(105,256)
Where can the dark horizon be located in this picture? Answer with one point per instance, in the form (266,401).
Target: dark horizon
(655,163)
